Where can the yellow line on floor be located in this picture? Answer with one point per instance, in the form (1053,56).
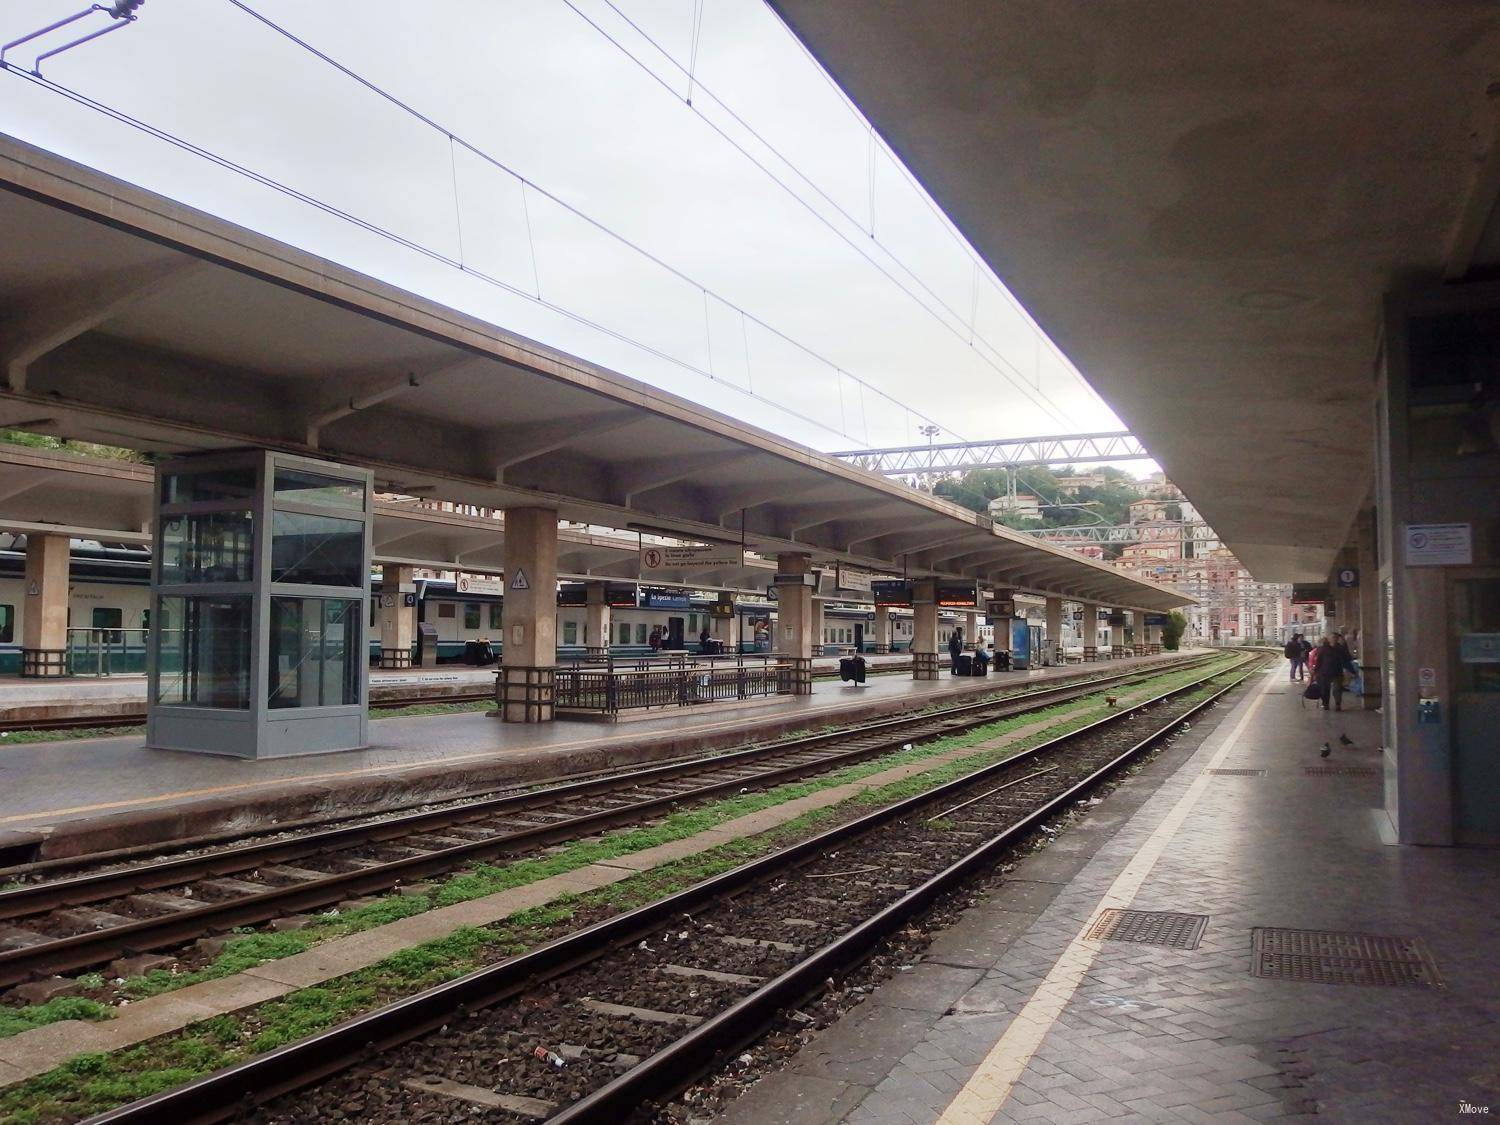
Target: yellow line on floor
(991,1084)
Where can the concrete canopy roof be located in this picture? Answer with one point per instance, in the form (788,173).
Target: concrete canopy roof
(131,320)
(1202,204)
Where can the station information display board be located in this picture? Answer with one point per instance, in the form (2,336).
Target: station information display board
(1309,593)
(891,592)
(619,595)
(572,593)
(957,595)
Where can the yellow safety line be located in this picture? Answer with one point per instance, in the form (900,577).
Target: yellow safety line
(991,1084)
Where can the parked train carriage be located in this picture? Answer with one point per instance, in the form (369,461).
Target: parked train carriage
(109,609)
(462,618)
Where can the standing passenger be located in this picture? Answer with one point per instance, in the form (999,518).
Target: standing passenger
(656,639)
(1328,674)
(1296,658)
(955,646)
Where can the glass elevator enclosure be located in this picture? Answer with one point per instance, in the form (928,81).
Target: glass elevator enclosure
(260,592)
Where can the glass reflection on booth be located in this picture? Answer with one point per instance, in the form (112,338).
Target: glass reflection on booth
(317,550)
(236,483)
(211,547)
(204,654)
(315,652)
(300,487)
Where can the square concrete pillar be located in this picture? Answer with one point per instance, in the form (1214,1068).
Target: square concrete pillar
(1054,631)
(925,664)
(1369,644)
(525,685)
(882,629)
(44,629)
(1089,633)
(398,619)
(1117,633)
(596,620)
(1138,640)
(794,618)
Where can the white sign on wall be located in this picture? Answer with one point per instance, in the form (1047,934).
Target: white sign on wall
(847,578)
(479,584)
(658,558)
(1439,544)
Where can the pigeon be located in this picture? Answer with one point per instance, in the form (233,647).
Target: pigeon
(1345,740)
(1327,750)
(1111,700)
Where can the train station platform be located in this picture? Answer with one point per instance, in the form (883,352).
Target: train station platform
(109,697)
(80,796)
(1298,965)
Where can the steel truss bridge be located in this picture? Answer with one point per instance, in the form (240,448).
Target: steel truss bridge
(1126,533)
(942,458)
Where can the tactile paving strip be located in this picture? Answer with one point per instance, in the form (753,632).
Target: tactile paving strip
(1330,957)
(1239,773)
(1152,927)
(1340,771)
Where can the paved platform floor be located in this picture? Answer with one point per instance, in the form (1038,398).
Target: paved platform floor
(1014,1015)
(47,783)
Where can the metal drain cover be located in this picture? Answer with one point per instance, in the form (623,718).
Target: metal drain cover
(1330,957)
(1239,773)
(1341,771)
(1151,927)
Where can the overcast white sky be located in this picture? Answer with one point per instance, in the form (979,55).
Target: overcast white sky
(532,84)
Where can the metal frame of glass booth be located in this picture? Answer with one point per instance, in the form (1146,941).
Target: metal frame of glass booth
(259,598)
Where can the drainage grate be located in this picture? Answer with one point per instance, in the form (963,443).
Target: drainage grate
(1341,771)
(1153,927)
(1328,957)
(1239,773)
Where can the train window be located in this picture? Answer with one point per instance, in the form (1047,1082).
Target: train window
(625,634)
(640,633)
(109,622)
(570,632)
(446,609)
(7,624)
(471,615)
(495,609)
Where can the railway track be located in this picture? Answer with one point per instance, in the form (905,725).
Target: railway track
(599,1023)
(138,718)
(77,923)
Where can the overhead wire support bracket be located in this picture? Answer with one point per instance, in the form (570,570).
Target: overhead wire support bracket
(122,12)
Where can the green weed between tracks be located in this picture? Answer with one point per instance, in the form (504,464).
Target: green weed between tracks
(94,1082)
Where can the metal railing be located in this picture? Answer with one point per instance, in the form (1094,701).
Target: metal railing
(106,652)
(608,685)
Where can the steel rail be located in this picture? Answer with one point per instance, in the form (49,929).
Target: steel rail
(81,951)
(676,1065)
(222,1095)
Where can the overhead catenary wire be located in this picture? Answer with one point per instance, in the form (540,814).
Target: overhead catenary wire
(972,337)
(576,212)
